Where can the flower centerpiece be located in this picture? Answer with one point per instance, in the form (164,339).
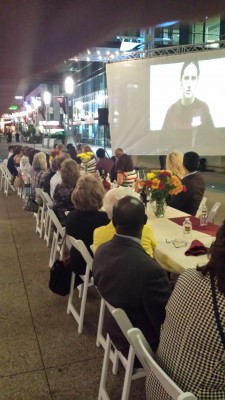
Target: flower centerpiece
(161,184)
(85,157)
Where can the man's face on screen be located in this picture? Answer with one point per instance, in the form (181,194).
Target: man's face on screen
(189,84)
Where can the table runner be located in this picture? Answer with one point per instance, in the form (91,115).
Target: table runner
(210,229)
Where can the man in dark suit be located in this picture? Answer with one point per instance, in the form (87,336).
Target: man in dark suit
(127,277)
(189,200)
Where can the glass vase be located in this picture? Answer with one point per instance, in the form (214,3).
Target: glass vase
(159,208)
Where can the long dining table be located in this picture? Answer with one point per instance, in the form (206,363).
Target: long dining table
(168,232)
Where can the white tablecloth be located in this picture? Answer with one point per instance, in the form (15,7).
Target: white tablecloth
(174,260)
(168,256)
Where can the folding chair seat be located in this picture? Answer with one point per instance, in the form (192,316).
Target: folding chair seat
(128,363)
(144,353)
(79,314)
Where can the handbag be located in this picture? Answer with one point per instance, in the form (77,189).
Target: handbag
(60,277)
(30,204)
(18,182)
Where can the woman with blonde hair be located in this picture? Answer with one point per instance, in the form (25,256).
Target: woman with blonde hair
(70,173)
(174,162)
(87,199)
(38,170)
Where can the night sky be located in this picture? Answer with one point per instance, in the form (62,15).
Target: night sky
(37,35)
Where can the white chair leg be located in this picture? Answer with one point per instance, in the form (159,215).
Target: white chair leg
(102,394)
(70,299)
(101,340)
(128,375)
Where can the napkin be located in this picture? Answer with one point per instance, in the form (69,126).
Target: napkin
(196,248)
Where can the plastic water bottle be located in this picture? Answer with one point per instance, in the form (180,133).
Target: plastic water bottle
(204,216)
(187,230)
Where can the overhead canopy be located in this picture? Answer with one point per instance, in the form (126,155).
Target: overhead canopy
(36,35)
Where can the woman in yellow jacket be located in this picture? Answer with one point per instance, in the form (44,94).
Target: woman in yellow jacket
(105,233)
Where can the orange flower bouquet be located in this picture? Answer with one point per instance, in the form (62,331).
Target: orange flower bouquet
(161,184)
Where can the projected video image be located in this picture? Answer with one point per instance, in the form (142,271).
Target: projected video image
(187,89)
(187,102)
(176,102)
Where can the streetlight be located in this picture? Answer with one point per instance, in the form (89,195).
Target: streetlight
(69,85)
(47,101)
(69,89)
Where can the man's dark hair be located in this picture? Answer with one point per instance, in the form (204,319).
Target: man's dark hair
(191,161)
(100,153)
(129,216)
(185,65)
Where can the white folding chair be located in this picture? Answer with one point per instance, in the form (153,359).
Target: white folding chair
(101,340)
(203,202)
(2,175)
(41,215)
(58,242)
(79,314)
(128,363)
(6,179)
(144,353)
(213,211)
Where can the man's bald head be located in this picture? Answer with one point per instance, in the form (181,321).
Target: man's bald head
(129,216)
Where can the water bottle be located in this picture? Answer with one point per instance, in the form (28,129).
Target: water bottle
(204,216)
(187,230)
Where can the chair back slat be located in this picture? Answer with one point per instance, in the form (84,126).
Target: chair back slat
(143,351)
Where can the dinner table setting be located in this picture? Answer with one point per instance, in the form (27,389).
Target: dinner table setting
(173,252)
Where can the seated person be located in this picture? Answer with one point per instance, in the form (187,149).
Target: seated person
(49,174)
(127,277)
(113,174)
(25,165)
(190,200)
(174,163)
(56,179)
(70,173)
(38,172)
(126,174)
(191,348)
(87,199)
(104,164)
(105,233)
(90,165)
(13,162)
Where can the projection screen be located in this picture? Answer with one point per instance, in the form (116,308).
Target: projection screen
(164,103)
